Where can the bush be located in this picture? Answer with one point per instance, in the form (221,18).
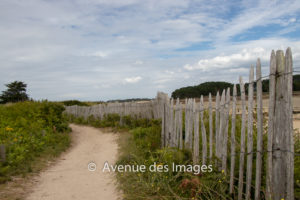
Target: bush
(28,130)
(74,102)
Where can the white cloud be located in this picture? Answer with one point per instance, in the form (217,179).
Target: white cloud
(138,62)
(292,20)
(88,47)
(228,61)
(133,79)
(100,54)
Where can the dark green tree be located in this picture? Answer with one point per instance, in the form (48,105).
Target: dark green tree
(16,91)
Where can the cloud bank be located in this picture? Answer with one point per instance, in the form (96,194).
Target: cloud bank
(101,50)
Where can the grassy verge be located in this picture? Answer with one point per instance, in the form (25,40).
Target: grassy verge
(141,146)
(31,133)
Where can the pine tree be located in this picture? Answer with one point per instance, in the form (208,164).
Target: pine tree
(16,91)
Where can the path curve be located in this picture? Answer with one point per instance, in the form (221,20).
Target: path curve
(69,178)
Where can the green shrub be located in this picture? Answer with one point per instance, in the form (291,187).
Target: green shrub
(74,102)
(28,130)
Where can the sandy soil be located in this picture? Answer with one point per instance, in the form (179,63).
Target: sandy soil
(70,178)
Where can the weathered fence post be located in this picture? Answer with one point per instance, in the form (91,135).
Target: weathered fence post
(180,126)
(232,162)
(242,151)
(203,131)
(259,130)
(250,133)
(186,118)
(269,179)
(171,124)
(225,137)
(221,128)
(210,128)
(283,129)
(217,122)
(289,112)
(279,173)
(196,134)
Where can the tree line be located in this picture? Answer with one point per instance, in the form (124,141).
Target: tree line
(213,87)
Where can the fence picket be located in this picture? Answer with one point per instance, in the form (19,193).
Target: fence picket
(217,122)
(196,134)
(186,137)
(289,114)
(259,130)
(180,127)
(232,161)
(203,131)
(269,178)
(250,134)
(242,151)
(225,137)
(279,175)
(221,128)
(210,128)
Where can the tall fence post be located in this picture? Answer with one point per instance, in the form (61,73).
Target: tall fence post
(180,127)
(269,178)
(203,131)
(283,147)
(210,128)
(221,128)
(232,161)
(242,151)
(186,122)
(225,137)
(289,112)
(259,131)
(279,174)
(217,123)
(250,133)
(196,134)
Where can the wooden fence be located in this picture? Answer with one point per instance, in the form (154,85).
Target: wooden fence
(208,124)
(148,110)
(280,146)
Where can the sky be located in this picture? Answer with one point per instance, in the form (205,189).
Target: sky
(96,50)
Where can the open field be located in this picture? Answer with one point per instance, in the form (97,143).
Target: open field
(296,106)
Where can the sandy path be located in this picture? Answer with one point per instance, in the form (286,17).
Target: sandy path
(70,178)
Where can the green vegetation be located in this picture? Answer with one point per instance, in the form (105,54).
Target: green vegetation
(213,87)
(202,89)
(16,91)
(113,121)
(141,146)
(29,131)
(74,102)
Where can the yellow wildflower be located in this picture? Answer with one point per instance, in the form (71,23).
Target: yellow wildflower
(223,171)
(9,129)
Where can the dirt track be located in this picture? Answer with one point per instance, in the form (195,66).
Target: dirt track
(70,178)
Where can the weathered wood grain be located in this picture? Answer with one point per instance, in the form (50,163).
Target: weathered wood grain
(242,151)
(259,126)
(232,160)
